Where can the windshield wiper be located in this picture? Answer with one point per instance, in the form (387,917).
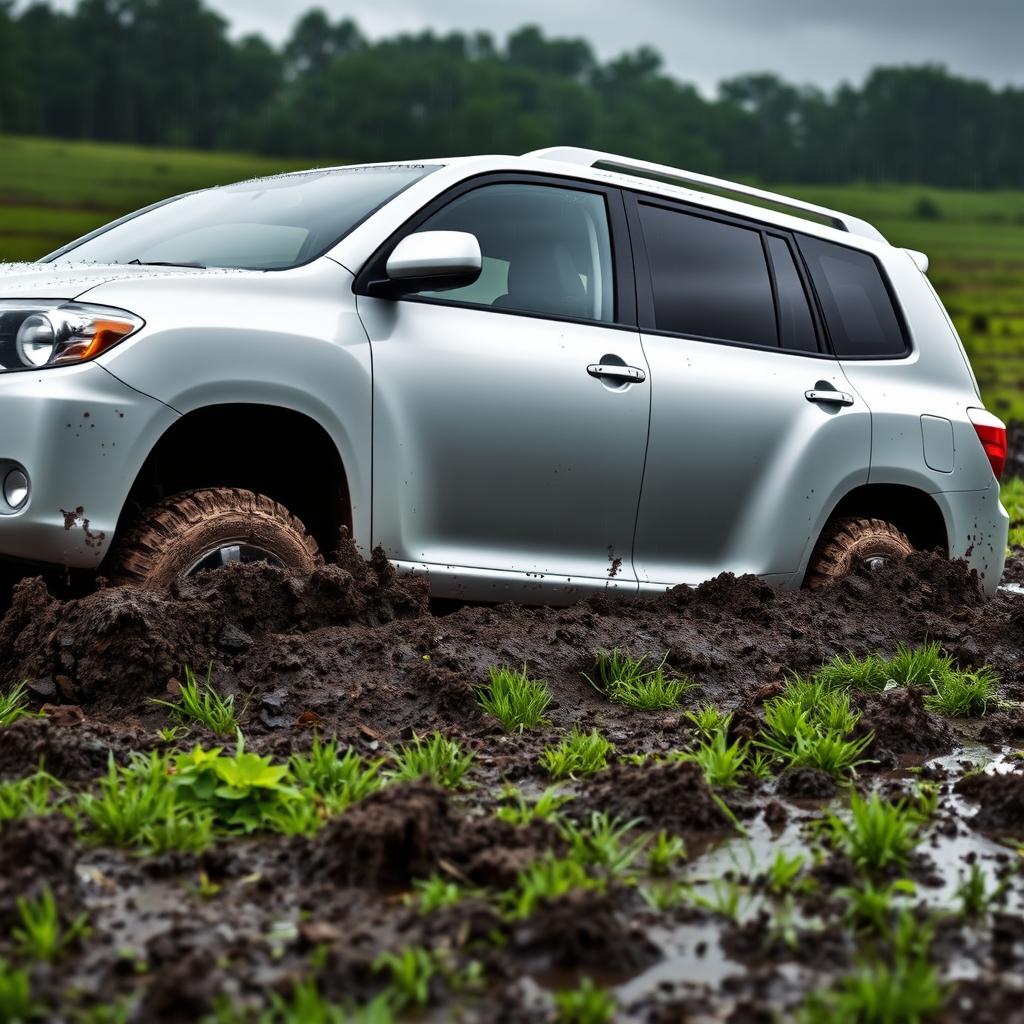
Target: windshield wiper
(162,263)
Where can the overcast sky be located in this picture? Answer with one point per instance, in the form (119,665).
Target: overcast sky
(703,41)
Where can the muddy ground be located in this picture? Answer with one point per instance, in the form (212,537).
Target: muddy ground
(356,652)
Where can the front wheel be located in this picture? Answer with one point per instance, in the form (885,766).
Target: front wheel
(850,544)
(207,528)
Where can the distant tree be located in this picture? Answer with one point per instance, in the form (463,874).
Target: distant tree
(166,72)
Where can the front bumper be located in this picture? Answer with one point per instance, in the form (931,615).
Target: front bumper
(977,526)
(82,436)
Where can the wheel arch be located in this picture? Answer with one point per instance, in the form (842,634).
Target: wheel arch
(910,509)
(279,452)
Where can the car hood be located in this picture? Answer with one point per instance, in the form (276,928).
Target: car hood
(72,280)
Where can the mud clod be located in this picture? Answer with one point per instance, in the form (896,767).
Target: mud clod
(672,796)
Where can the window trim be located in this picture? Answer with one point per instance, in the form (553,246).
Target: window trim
(817,317)
(645,288)
(621,250)
(901,319)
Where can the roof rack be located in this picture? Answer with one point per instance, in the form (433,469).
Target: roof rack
(610,161)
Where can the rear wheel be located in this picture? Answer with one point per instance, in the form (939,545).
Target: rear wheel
(851,544)
(204,529)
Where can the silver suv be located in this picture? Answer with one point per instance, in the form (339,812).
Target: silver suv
(530,377)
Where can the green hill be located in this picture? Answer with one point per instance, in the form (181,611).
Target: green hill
(53,191)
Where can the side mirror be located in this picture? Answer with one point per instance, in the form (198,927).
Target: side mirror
(433,260)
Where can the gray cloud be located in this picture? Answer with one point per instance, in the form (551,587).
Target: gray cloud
(703,41)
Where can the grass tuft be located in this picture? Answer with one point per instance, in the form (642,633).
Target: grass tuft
(41,934)
(200,702)
(434,757)
(338,781)
(515,699)
(721,761)
(579,753)
(14,705)
(625,681)
(16,1002)
(963,694)
(586,1004)
(878,833)
(545,879)
(28,797)
(517,810)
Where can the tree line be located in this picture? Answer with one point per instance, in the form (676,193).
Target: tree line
(167,72)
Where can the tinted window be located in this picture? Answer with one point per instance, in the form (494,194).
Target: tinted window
(861,320)
(268,224)
(709,279)
(796,326)
(545,250)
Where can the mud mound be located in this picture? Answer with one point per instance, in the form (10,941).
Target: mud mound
(407,831)
(121,643)
(71,751)
(584,930)
(37,853)
(901,723)
(1000,800)
(673,796)
(806,783)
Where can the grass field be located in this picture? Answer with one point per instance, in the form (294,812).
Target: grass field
(52,191)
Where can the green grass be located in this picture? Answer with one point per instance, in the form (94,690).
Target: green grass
(434,757)
(708,720)
(721,761)
(517,810)
(200,703)
(543,880)
(586,1004)
(28,797)
(16,1003)
(516,700)
(876,834)
(1012,493)
(963,694)
(602,843)
(954,691)
(338,780)
(578,754)
(626,680)
(40,933)
(808,726)
(14,705)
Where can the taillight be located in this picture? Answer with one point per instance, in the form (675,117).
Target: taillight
(991,433)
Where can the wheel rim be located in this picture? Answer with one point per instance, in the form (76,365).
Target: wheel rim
(875,562)
(226,553)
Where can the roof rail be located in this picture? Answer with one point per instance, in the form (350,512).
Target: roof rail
(609,161)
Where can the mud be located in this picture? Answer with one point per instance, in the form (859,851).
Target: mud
(1000,801)
(356,652)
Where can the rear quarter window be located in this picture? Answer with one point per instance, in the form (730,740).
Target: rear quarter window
(862,321)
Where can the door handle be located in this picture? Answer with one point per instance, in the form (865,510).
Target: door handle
(615,371)
(829,397)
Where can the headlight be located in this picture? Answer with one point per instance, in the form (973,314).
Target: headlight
(34,335)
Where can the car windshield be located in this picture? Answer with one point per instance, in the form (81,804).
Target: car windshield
(267,224)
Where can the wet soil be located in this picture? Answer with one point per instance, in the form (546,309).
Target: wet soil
(356,652)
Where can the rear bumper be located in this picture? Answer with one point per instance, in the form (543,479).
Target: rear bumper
(977,527)
(82,436)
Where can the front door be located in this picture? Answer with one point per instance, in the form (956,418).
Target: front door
(508,447)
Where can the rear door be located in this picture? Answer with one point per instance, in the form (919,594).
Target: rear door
(755,430)
(505,459)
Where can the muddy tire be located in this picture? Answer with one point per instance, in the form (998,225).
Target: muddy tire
(201,528)
(848,544)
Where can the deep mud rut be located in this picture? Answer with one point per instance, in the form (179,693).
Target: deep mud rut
(355,652)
